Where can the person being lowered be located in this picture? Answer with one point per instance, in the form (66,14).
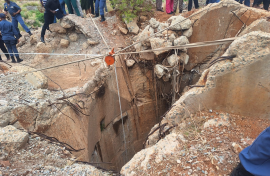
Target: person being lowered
(15,12)
(8,32)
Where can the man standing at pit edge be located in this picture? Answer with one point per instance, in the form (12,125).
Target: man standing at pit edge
(15,12)
(8,32)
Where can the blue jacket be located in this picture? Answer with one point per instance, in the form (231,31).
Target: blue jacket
(8,31)
(256,157)
(11,8)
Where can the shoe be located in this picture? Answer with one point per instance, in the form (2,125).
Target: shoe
(30,33)
(42,39)
(97,15)
(160,10)
(18,59)
(102,18)
(180,11)
(8,58)
(13,59)
(20,35)
(171,13)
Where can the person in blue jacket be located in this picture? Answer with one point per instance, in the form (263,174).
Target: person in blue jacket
(255,159)
(99,9)
(15,12)
(8,32)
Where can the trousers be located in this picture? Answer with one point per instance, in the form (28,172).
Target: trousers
(4,49)
(246,2)
(73,3)
(175,2)
(190,3)
(92,6)
(159,4)
(265,3)
(11,46)
(240,171)
(99,6)
(169,6)
(48,17)
(16,19)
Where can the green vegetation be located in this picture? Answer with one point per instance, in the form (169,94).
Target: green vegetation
(33,18)
(129,9)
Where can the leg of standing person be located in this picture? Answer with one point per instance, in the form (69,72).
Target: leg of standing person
(48,20)
(20,20)
(74,4)
(159,5)
(69,6)
(15,24)
(180,6)
(4,49)
(7,42)
(102,4)
(106,9)
(97,8)
(14,49)
(175,2)
(247,3)
(190,3)
(196,3)
(266,4)
(169,6)
(92,7)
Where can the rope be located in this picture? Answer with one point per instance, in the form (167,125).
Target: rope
(119,98)
(191,45)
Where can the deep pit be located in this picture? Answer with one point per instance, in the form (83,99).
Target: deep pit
(78,103)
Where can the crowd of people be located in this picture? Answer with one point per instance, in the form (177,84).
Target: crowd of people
(171,5)
(55,9)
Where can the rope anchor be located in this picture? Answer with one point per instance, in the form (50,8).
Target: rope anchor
(110,58)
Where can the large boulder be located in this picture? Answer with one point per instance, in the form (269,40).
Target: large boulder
(132,26)
(188,32)
(56,27)
(64,43)
(73,37)
(33,39)
(216,22)
(154,23)
(44,48)
(179,23)
(37,79)
(160,43)
(13,139)
(183,40)
(258,25)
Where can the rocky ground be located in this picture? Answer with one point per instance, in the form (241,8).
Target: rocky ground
(206,143)
(39,156)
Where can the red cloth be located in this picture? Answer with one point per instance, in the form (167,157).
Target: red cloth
(169,6)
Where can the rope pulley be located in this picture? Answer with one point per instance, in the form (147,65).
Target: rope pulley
(110,58)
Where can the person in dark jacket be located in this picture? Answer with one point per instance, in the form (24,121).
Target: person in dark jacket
(52,7)
(8,32)
(15,12)
(255,159)
(3,48)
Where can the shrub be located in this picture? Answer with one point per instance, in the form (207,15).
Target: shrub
(129,9)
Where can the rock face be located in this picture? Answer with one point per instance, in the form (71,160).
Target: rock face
(229,86)
(56,27)
(12,138)
(64,43)
(132,26)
